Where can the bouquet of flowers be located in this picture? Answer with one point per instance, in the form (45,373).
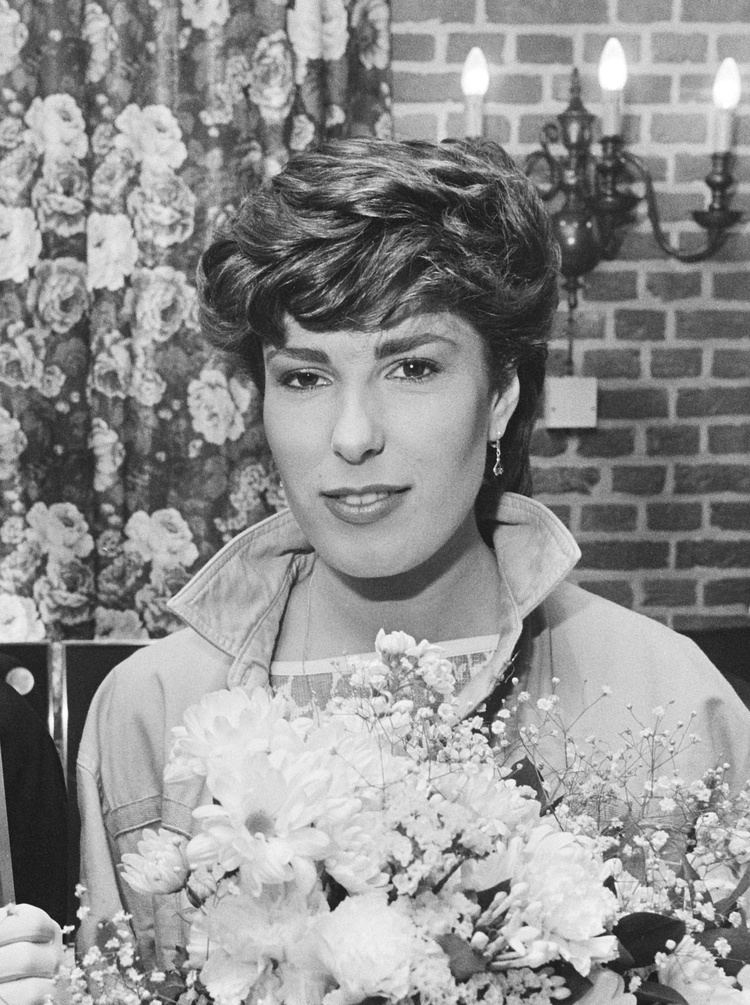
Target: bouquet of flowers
(381,848)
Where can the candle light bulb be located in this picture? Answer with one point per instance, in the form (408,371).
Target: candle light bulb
(727,85)
(613,67)
(475,76)
(613,72)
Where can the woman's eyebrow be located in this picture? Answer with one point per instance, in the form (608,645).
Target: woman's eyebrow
(388,347)
(408,343)
(306,354)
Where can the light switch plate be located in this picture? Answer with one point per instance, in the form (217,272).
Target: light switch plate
(570,403)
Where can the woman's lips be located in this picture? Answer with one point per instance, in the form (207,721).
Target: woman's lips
(366,506)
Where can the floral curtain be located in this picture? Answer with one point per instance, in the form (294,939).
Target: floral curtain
(128,452)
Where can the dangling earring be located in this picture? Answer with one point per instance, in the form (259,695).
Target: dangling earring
(497,470)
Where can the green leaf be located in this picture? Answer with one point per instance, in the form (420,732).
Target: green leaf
(727,904)
(651,993)
(526,773)
(738,939)
(462,959)
(644,934)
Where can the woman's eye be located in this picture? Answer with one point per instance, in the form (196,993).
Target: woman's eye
(302,380)
(415,369)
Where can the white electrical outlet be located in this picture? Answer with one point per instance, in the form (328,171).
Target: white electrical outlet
(570,402)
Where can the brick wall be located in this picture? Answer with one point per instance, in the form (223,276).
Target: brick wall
(658,495)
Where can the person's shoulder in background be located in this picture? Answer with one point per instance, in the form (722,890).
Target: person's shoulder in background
(36,803)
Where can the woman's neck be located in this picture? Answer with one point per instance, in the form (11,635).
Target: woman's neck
(456,594)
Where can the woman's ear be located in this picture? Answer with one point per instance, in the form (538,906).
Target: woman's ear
(503,408)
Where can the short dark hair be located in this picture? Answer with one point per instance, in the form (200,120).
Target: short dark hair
(359,233)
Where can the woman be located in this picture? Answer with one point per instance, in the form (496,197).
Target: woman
(392,303)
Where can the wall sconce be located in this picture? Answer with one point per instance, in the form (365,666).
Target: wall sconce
(596,194)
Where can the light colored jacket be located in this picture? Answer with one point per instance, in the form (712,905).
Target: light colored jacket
(233,609)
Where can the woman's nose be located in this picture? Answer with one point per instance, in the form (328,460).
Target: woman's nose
(357,431)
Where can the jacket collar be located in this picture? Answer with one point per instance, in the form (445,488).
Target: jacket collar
(236,601)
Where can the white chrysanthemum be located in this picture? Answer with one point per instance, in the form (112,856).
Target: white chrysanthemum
(264,823)
(111,250)
(369,948)
(160,865)
(226,725)
(557,905)
(20,243)
(691,971)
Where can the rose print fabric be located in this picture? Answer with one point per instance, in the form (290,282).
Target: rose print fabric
(128,128)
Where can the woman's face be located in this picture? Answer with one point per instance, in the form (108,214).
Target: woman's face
(380,438)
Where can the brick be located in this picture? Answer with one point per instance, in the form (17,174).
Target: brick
(729,440)
(416,127)
(676,362)
(446,10)
(736,246)
(495,126)
(601,285)
(616,590)
(544,49)
(624,554)
(561,480)
(546,12)
(735,45)
(700,479)
(696,88)
(648,89)
(492,45)
(561,83)
(588,324)
(726,10)
(691,167)
(678,207)
(594,42)
(676,127)
(669,593)
(703,622)
(563,514)
(713,401)
(679,47)
(530,127)
(733,363)
(635,403)
(609,517)
(666,441)
(639,325)
(727,592)
(645,11)
(606,443)
(640,480)
(732,286)
(669,286)
(548,442)
(709,324)
(612,363)
(674,516)
(639,246)
(713,554)
(557,362)
(437,87)
(415,47)
(515,88)
(730,516)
